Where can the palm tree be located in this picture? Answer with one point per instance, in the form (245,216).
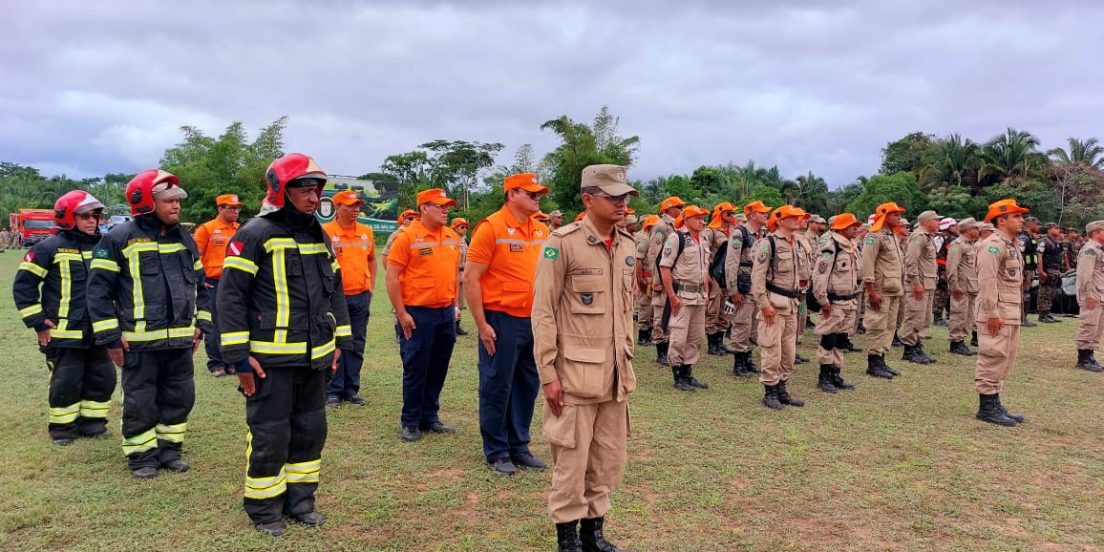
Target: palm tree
(1081,152)
(953,162)
(1013,155)
(808,191)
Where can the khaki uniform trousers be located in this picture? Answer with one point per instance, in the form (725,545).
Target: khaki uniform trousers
(918,316)
(996,355)
(687,334)
(659,334)
(745,325)
(716,321)
(842,321)
(802,315)
(1090,327)
(880,325)
(644,311)
(777,347)
(963,316)
(589,450)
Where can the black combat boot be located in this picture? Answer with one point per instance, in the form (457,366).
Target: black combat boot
(751,365)
(644,337)
(739,368)
(722,342)
(897,340)
(921,354)
(989,411)
(838,380)
(784,395)
(770,397)
(661,354)
(860,329)
(1018,417)
(680,379)
(688,377)
(1092,359)
(973,340)
(914,354)
(1084,361)
(1027,323)
(960,348)
(875,366)
(798,359)
(590,534)
(567,537)
(843,343)
(714,346)
(824,380)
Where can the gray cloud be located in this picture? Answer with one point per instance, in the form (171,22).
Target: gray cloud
(91,87)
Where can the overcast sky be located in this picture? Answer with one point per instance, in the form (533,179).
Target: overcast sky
(90,87)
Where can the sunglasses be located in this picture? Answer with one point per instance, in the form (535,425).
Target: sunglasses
(614,199)
(532,195)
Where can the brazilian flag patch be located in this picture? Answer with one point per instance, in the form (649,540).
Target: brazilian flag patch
(870,240)
(994,250)
(551,253)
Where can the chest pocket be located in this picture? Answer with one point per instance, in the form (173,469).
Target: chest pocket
(187,267)
(325,268)
(1012,271)
(589,294)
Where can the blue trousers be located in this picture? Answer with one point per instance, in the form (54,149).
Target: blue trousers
(212,339)
(346,381)
(425,358)
(508,386)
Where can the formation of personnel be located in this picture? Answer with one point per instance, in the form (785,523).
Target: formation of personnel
(283,302)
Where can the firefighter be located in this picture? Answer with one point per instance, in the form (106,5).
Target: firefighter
(211,238)
(283,311)
(836,287)
(738,265)
(461,226)
(776,287)
(684,271)
(717,320)
(355,247)
(149,305)
(669,209)
(82,377)
(644,282)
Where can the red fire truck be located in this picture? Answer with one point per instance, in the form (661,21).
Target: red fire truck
(32,225)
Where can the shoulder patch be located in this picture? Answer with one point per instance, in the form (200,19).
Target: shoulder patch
(763,248)
(101,254)
(870,240)
(954,248)
(994,249)
(551,253)
(1089,253)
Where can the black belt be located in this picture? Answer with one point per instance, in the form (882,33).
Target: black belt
(748,264)
(834,297)
(791,293)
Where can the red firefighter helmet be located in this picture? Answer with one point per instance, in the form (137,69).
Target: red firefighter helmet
(72,203)
(139,191)
(282,171)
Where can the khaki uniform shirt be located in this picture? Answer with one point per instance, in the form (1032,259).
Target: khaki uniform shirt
(582,314)
(920,263)
(738,260)
(1090,272)
(781,273)
(806,253)
(1000,280)
(837,272)
(660,231)
(690,272)
(882,263)
(962,266)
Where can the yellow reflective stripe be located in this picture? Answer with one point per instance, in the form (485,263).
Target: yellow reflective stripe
(30,311)
(197,265)
(343,330)
(94,409)
(59,257)
(303,472)
(170,247)
(172,433)
(134,248)
(276,348)
(234,338)
(142,442)
(335,265)
(66,287)
(33,269)
(64,414)
(203,315)
(279,243)
(85,255)
(280,283)
(244,265)
(322,350)
(104,325)
(261,487)
(104,264)
(61,333)
(312,248)
(138,298)
(153,335)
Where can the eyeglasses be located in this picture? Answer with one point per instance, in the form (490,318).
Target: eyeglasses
(532,195)
(613,199)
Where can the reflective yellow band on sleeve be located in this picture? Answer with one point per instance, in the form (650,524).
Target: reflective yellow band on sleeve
(172,433)
(273,348)
(344,330)
(104,264)
(203,315)
(303,472)
(33,269)
(244,265)
(322,350)
(32,310)
(142,442)
(105,325)
(94,409)
(64,414)
(198,265)
(66,334)
(335,265)
(234,338)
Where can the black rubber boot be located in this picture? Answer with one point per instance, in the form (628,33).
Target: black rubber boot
(592,539)
(739,364)
(960,348)
(784,395)
(989,411)
(567,537)
(661,354)
(824,380)
(838,380)
(875,367)
(680,379)
(688,377)
(973,340)
(770,397)
(1084,361)
(1018,417)
(1028,323)
(843,343)
(644,337)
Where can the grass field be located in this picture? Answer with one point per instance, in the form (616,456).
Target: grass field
(899,465)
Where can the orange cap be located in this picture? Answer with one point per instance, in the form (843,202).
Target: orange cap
(541,217)
(649,221)
(459,221)
(230,200)
(347,197)
(580,216)
(844,221)
(785,211)
(630,211)
(756,206)
(525,181)
(715,218)
(1004,207)
(436,196)
(407,213)
(881,212)
(672,201)
(694,211)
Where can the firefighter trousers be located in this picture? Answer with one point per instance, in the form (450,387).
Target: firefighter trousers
(158,395)
(81,384)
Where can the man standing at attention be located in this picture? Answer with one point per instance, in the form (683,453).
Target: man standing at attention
(1090,292)
(738,265)
(684,270)
(963,286)
(882,276)
(921,276)
(669,210)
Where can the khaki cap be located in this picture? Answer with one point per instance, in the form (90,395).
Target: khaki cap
(967,223)
(556,213)
(1094,226)
(817,219)
(926,216)
(986,227)
(612,179)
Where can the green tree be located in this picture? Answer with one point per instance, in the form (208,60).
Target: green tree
(808,191)
(455,165)
(1081,152)
(956,201)
(1013,155)
(582,145)
(906,154)
(901,188)
(953,161)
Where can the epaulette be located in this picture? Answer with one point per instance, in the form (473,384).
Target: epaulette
(567,229)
